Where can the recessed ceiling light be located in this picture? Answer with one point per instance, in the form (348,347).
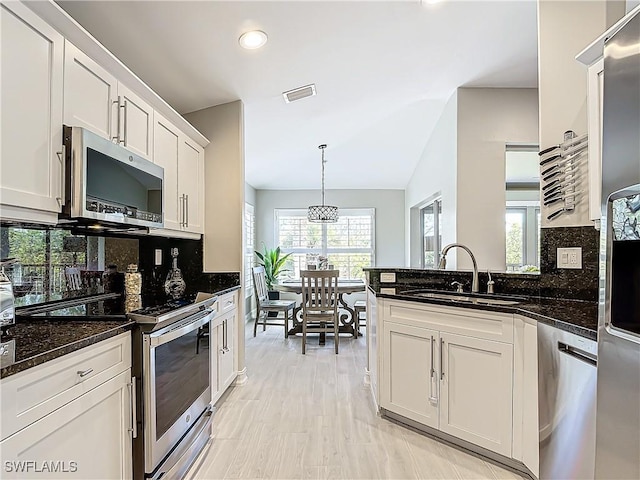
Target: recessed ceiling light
(252,39)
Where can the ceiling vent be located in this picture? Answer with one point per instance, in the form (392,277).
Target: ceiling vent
(299,93)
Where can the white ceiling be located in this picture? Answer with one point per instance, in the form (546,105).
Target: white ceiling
(383,72)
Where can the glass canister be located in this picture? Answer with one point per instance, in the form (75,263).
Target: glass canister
(132,280)
(132,288)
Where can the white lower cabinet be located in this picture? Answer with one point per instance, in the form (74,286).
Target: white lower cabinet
(450,369)
(476,391)
(87,435)
(409,355)
(88,438)
(226,370)
(223,351)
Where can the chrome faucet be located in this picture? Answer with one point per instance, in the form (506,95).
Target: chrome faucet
(443,263)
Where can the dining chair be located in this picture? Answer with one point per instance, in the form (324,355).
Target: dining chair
(264,306)
(319,304)
(72,276)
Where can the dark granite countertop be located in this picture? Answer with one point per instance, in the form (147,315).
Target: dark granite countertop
(574,316)
(40,340)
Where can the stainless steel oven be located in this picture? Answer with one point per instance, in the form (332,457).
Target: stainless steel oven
(174,409)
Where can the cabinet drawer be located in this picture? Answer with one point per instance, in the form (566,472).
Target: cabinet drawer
(227,303)
(34,393)
(463,321)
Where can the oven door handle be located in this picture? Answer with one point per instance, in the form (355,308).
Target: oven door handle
(198,321)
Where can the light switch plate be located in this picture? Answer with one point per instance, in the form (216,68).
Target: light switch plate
(387,277)
(570,257)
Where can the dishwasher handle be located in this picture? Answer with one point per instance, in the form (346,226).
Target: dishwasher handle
(575,352)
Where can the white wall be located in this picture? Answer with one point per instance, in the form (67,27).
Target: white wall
(249,194)
(488,119)
(562,81)
(224,185)
(389,205)
(434,174)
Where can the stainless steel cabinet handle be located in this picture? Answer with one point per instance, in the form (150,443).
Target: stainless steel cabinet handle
(432,397)
(186,209)
(124,124)
(134,413)
(61,158)
(84,373)
(441,358)
(117,137)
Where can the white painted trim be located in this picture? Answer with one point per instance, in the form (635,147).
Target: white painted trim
(241,378)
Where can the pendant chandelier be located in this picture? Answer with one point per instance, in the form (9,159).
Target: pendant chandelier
(323,213)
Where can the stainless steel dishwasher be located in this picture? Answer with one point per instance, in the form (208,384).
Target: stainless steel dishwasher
(566,404)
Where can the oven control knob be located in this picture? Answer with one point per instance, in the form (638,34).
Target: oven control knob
(188,418)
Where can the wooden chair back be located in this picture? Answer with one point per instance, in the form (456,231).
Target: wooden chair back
(320,291)
(260,284)
(72,276)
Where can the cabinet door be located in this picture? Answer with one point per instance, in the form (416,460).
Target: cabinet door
(594,107)
(166,147)
(476,391)
(89,437)
(215,347)
(191,185)
(32,93)
(226,351)
(136,123)
(409,381)
(90,93)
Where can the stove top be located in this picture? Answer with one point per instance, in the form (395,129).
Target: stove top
(157,310)
(173,310)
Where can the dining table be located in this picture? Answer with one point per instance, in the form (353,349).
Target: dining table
(346,313)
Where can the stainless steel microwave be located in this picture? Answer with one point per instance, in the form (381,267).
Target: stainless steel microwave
(106,184)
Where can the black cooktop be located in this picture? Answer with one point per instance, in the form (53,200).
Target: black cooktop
(157,310)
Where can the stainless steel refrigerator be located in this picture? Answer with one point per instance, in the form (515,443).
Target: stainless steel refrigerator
(618,371)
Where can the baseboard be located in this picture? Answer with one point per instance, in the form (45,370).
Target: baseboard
(467,447)
(241,378)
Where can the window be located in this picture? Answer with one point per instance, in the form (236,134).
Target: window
(250,242)
(522,237)
(522,219)
(348,244)
(431,225)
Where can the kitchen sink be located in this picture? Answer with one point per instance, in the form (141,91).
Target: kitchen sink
(465,298)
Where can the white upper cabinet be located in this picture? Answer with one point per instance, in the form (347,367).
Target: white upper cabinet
(166,147)
(183,163)
(135,127)
(31,91)
(94,99)
(191,185)
(90,93)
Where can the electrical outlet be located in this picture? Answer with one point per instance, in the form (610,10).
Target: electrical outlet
(158,257)
(570,257)
(387,277)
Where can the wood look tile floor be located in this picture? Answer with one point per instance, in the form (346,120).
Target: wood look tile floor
(311,417)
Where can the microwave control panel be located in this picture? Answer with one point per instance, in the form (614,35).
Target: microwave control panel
(100,206)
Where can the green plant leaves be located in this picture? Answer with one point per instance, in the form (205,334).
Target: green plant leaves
(273,264)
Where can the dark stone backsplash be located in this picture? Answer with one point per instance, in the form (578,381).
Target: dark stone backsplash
(551,282)
(567,283)
(189,261)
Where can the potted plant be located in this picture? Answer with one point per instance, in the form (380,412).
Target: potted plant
(273,262)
